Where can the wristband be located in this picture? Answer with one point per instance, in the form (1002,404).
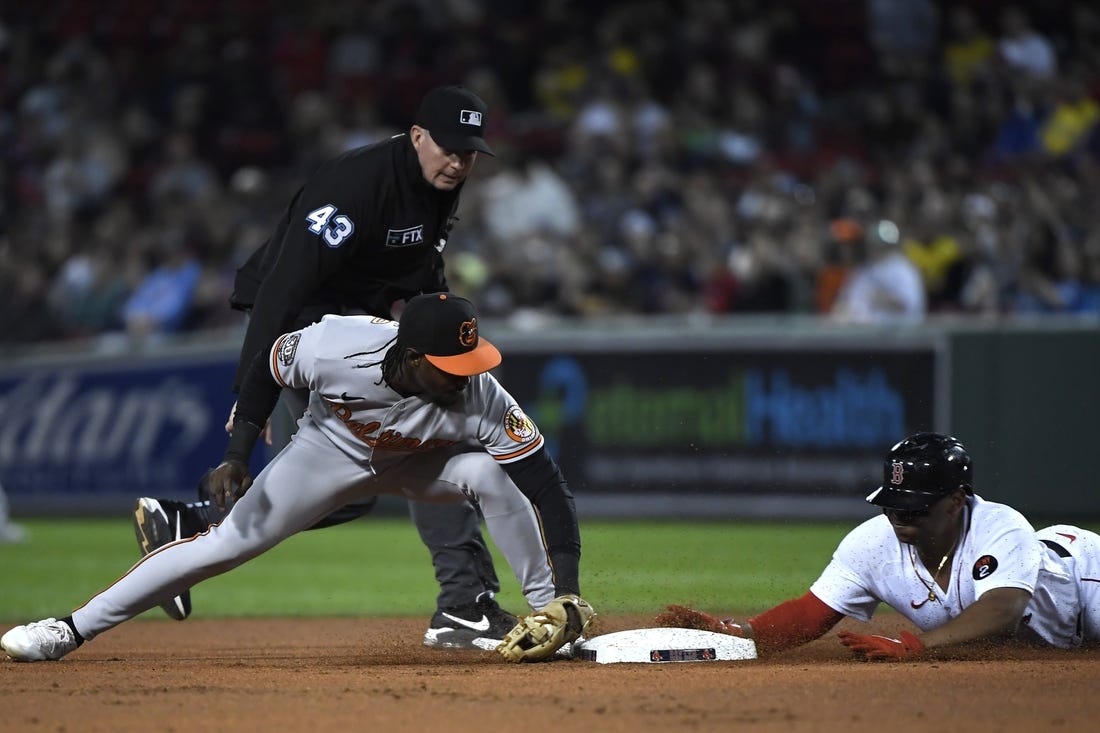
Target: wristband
(565,568)
(241,441)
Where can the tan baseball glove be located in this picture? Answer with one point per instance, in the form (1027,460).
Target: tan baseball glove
(536,637)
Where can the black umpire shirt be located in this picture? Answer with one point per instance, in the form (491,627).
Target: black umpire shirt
(364,231)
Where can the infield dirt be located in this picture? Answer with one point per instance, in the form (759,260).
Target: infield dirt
(374,675)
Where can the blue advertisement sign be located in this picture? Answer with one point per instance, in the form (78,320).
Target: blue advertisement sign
(736,423)
(140,428)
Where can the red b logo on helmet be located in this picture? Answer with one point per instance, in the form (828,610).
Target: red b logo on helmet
(898,474)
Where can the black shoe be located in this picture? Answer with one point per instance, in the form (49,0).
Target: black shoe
(479,625)
(158,522)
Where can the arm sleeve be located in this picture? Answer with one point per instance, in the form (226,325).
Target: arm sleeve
(540,480)
(257,398)
(259,393)
(793,623)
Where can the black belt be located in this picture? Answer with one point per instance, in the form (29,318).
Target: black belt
(1058,549)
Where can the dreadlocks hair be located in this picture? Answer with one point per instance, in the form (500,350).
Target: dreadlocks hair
(390,361)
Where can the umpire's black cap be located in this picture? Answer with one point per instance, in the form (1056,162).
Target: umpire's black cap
(456,119)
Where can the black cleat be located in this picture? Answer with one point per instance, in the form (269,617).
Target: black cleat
(479,625)
(158,522)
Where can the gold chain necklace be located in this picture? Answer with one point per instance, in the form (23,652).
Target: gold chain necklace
(943,561)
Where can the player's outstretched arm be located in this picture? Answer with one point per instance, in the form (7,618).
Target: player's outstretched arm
(788,625)
(540,480)
(995,616)
(685,617)
(565,619)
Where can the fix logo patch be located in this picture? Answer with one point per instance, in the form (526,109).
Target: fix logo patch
(984,566)
(470,117)
(405,237)
(897,472)
(287,348)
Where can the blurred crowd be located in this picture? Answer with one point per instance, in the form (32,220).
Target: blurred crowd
(867,160)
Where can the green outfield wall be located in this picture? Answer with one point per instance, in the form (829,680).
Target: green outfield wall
(1028,401)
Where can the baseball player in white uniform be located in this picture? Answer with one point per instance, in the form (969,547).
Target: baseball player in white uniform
(405,409)
(961,568)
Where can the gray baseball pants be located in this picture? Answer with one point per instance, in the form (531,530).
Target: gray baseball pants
(306,482)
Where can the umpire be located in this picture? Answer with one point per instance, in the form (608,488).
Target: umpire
(365,232)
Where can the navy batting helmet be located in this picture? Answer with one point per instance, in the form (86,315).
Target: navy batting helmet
(922,469)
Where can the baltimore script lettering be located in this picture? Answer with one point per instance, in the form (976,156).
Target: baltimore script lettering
(388,439)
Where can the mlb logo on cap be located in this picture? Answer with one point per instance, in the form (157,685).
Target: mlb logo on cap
(455,117)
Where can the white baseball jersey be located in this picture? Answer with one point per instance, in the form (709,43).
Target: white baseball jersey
(998,549)
(339,361)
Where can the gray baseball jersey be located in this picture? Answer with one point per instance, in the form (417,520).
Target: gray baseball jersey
(339,360)
(358,438)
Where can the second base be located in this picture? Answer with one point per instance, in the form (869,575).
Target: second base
(656,646)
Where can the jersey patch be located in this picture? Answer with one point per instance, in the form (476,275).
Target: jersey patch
(519,427)
(288,348)
(984,566)
(405,237)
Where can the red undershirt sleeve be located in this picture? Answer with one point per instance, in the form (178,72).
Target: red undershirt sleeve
(793,622)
